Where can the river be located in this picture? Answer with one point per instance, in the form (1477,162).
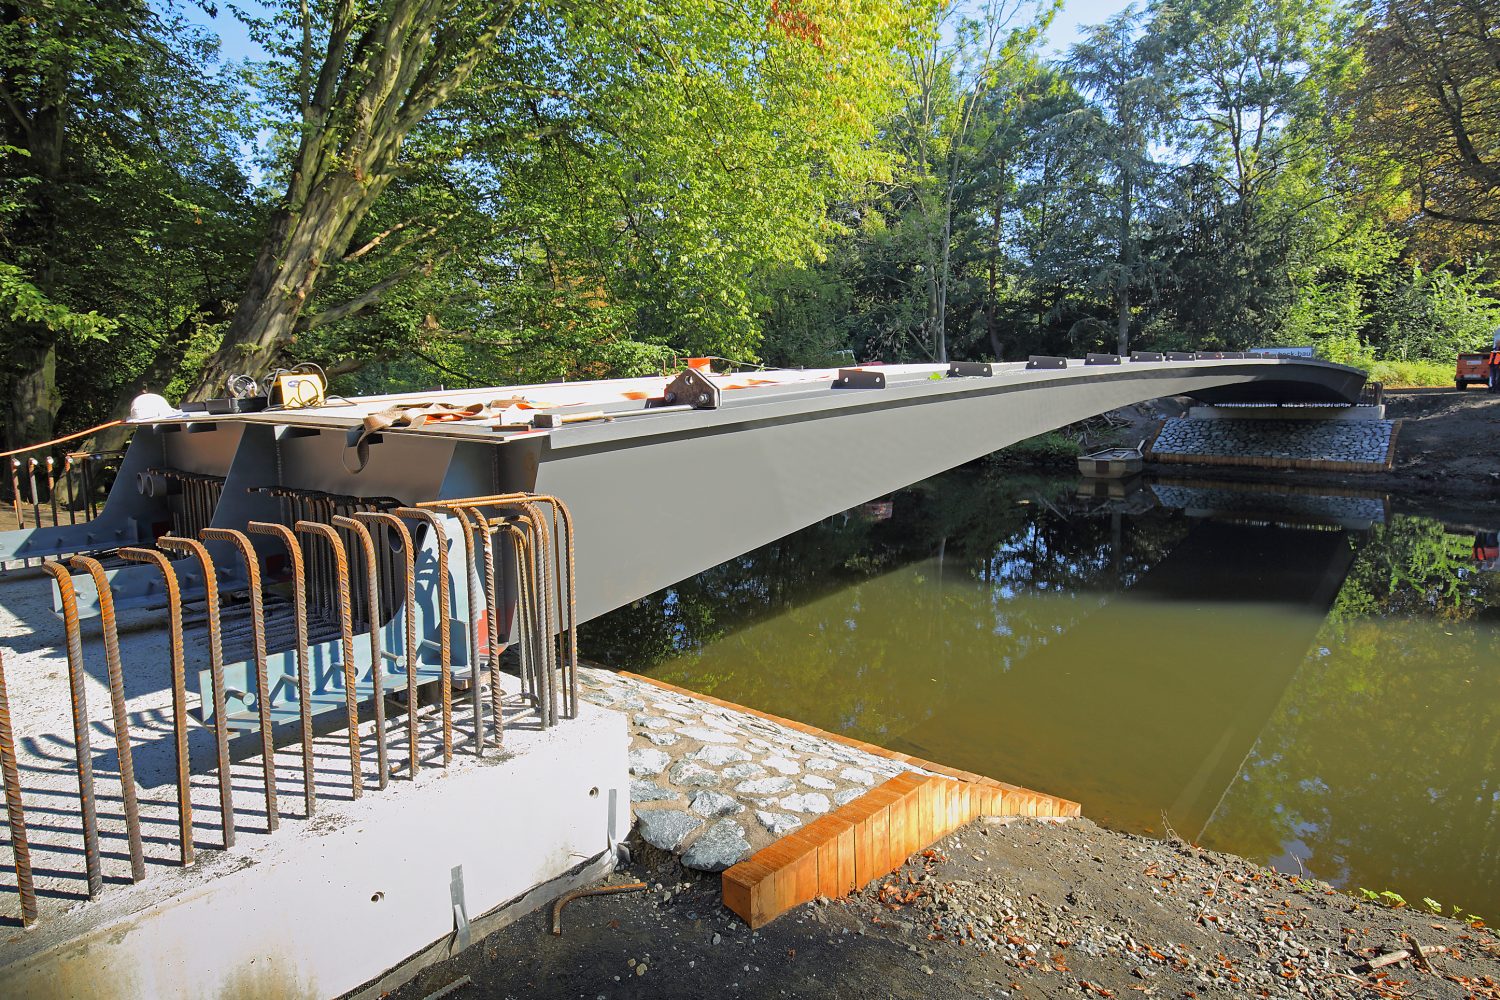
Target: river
(1308,681)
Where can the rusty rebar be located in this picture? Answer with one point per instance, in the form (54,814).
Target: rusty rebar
(473,628)
(445,651)
(15,813)
(258,644)
(81,750)
(395,524)
(117,711)
(346,633)
(304,685)
(372,590)
(491,603)
(566,544)
(191,546)
(179,693)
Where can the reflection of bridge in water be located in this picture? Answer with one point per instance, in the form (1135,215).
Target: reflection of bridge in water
(1099,688)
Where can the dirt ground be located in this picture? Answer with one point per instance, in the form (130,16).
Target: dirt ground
(1017,909)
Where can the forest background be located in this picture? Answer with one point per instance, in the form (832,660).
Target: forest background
(486,192)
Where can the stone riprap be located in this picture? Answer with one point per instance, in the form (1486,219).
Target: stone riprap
(1361,442)
(714,785)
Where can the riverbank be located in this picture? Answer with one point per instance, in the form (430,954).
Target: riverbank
(1446,452)
(1018,909)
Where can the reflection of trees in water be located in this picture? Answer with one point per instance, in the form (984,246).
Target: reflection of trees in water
(1381,767)
(987,524)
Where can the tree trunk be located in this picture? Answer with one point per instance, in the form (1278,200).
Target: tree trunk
(34,399)
(283,277)
(1122,281)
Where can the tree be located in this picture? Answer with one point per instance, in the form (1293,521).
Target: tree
(1133,101)
(1430,97)
(663,115)
(119,197)
(948,129)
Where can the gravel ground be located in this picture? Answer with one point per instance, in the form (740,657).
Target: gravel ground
(1016,909)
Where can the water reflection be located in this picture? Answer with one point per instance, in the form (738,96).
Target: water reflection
(1298,679)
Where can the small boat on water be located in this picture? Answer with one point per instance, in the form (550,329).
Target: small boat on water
(1113,463)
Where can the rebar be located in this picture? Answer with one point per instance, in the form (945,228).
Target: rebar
(445,651)
(117,711)
(395,524)
(190,546)
(304,685)
(79,700)
(15,813)
(68,478)
(372,589)
(346,632)
(473,628)
(179,694)
(258,646)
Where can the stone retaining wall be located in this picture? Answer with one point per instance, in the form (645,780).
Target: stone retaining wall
(1331,445)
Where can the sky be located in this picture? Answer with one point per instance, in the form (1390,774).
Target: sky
(1075,14)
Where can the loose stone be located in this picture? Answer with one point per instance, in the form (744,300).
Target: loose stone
(821,764)
(665,829)
(720,846)
(858,774)
(663,739)
(818,781)
(653,722)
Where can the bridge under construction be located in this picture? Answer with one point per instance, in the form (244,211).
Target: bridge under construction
(382,554)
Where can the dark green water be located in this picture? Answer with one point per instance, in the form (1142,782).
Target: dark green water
(1298,680)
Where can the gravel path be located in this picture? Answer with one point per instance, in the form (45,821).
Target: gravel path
(1022,909)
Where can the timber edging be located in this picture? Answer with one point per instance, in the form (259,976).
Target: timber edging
(869,837)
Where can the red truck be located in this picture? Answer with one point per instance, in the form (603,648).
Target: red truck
(1478,368)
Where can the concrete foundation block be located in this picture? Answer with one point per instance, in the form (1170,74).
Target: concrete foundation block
(325,907)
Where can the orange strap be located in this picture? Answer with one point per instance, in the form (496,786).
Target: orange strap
(70,437)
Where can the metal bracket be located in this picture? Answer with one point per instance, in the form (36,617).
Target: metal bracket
(691,388)
(970,369)
(859,378)
(1042,361)
(460,913)
(1146,356)
(1101,359)
(1181,356)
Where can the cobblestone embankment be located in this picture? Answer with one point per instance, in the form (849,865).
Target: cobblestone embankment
(714,785)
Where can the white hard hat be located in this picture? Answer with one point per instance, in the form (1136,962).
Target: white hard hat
(150,406)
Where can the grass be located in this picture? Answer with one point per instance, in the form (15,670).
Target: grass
(1412,374)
